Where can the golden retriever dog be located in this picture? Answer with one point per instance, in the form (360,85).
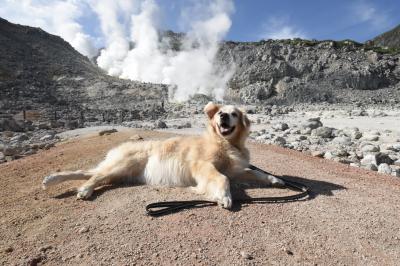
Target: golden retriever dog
(205,163)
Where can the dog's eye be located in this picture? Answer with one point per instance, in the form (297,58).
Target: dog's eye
(234,114)
(219,113)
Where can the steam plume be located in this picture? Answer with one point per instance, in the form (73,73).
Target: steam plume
(190,70)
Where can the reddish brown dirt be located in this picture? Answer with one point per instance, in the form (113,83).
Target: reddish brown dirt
(353,218)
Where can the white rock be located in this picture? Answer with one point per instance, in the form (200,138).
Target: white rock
(369,159)
(370,138)
(280,126)
(342,140)
(47,137)
(384,168)
(370,148)
(395,170)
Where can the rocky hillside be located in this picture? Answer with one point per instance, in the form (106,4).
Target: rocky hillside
(41,71)
(390,39)
(288,71)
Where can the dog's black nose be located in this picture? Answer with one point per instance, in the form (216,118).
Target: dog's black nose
(224,116)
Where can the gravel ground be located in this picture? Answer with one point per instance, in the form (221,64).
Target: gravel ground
(352,219)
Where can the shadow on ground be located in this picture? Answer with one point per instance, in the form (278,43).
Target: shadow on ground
(239,192)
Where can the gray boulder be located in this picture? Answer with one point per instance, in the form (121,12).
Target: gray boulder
(280,126)
(312,123)
(370,148)
(343,140)
(323,132)
(160,124)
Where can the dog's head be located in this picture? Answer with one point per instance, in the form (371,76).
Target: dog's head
(228,122)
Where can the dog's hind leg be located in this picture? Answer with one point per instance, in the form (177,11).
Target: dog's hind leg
(105,175)
(57,178)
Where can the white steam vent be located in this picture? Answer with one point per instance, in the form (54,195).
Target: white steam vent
(190,70)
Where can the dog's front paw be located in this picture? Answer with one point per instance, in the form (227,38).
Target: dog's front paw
(274,181)
(48,181)
(226,202)
(84,193)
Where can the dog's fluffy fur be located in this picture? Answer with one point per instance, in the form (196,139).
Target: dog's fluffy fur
(204,163)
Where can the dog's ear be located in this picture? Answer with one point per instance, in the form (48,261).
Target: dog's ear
(245,119)
(210,109)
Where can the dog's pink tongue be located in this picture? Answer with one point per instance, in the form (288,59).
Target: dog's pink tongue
(223,130)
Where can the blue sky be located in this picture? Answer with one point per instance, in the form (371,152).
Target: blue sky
(252,20)
(360,20)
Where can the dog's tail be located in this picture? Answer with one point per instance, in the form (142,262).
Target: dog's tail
(60,177)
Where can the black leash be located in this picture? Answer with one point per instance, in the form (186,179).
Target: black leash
(167,207)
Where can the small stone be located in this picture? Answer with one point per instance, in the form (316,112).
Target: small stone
(369,159)
(288,251)
(279,141)
(246,255)
(47,137)
(355,165)
(370,138)
(9,249)
(306,131)
(343,140)
(395,147)
(370,148)
(301,137)
(35,260)
(312,123)
(45,248)
(136,138)
(356,135)
(83,230)
(319,154)
(323,132)
(397,163)
(384,168)
(395,170)
(160,124)
(280,126)
(329,155)
(107,132)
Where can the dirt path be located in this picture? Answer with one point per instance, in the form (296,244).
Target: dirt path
(353,219)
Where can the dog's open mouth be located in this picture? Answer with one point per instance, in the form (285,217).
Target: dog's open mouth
(226,129)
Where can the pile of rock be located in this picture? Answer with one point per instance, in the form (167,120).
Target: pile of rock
(348,146)
(15,145)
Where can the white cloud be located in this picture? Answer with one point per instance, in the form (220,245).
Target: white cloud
(280,28)
(366,12)
(56,17)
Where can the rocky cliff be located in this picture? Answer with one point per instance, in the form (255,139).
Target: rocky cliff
(289,71)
